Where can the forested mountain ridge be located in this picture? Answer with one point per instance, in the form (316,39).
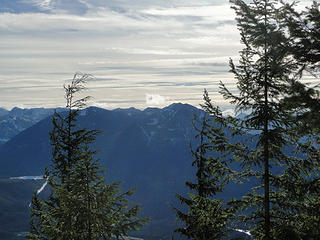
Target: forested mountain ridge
(15,197)
(147,128)
(148,150)
(18,119)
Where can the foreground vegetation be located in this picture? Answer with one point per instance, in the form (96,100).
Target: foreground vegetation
(277,145)
(81,205)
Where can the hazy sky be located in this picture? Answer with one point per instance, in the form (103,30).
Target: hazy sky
(142,52)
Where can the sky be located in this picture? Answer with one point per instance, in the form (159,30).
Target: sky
(141,53)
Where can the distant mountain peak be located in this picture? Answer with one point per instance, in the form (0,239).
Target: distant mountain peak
(177,106)
(130,109)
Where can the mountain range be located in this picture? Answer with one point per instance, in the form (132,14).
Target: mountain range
(18,119)
(148,150)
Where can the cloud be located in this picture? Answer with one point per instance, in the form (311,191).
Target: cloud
(157,51)
(215,13)
(176,47)
(155,99)
(120,48)
(43,4)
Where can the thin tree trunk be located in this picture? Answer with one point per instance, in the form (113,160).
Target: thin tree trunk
(266,140)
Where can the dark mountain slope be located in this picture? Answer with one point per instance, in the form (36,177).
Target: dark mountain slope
(148,150)
(15,121)
(15,196)
(3,112)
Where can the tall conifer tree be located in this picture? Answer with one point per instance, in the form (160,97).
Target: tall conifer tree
(207,217)
(304,31)
(281,155)
(81,206)
(304,28)
(264,74)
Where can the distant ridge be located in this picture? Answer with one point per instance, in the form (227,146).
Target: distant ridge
(18,119)
(146,149)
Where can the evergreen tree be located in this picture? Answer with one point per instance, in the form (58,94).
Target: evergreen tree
(304,30)
(264,75)
(281,154)
(81,205)
(207,218)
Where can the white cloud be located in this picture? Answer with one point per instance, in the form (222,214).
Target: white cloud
(130,47)
(155,99)
(215,13)
(42,4)
(157,51)
(140,46)
(41,22)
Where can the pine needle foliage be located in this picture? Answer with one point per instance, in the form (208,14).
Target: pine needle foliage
(207,217)
(304,29)
(277,142)
(264,75)
(81,205)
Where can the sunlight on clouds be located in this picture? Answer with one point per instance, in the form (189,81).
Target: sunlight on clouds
(171,48)
(40,22)
(220,13)
(42,4)
(129,48)
(155,99)
(155,51)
